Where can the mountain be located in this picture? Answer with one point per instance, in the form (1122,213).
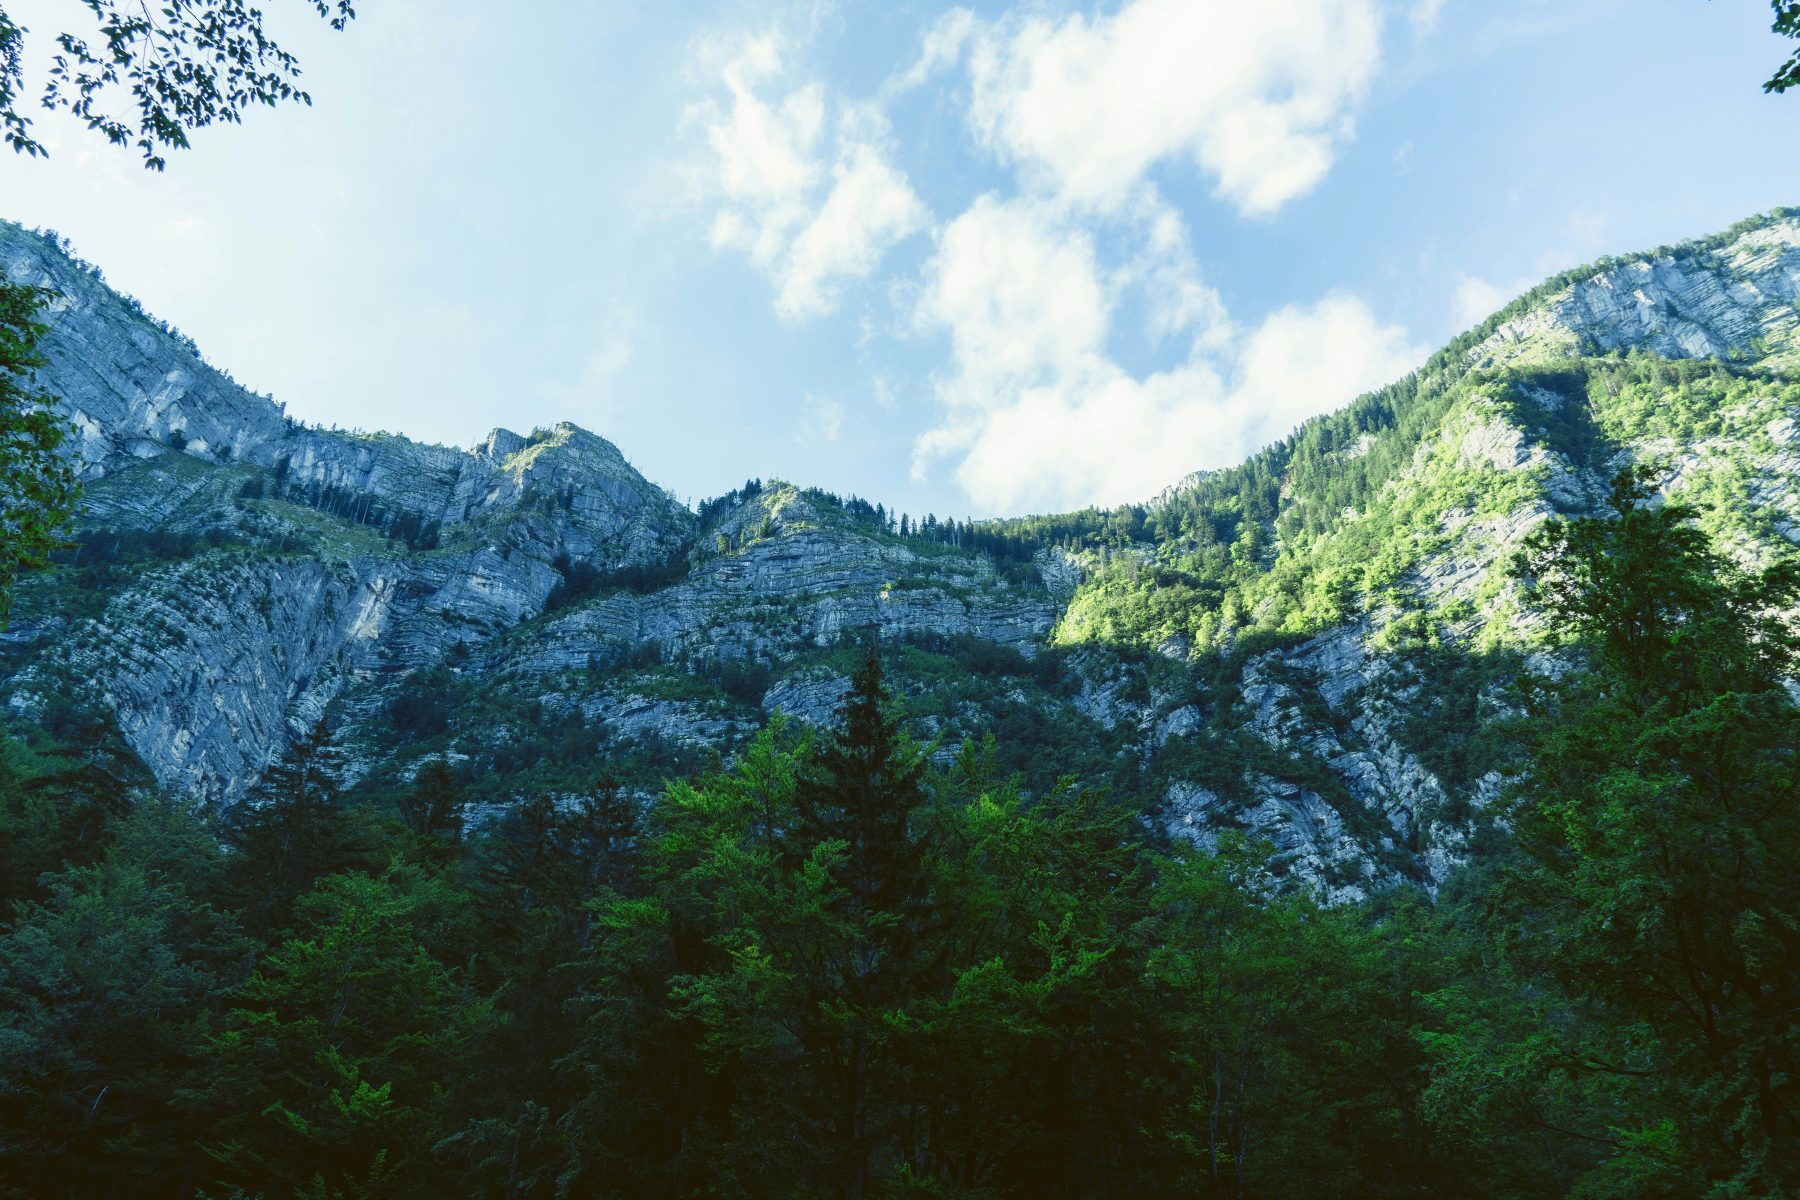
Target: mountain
(1315,645)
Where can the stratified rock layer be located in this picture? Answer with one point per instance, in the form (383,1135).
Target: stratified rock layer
(241,577)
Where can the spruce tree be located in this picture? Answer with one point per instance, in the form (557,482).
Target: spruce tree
(861,793)
(432,809)
(290,829)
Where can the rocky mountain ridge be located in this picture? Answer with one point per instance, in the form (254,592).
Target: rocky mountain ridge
(1312,646)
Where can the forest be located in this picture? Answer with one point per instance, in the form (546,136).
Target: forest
(853,959)
(848,964)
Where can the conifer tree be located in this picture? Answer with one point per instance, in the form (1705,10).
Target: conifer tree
(291,829)
(861,793)
(432,809)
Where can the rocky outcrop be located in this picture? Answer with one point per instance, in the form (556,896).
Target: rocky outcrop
(209,666)
(206,686)
(133,389)
(246,576)
(1729,298)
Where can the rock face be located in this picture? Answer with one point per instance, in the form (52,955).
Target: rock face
(800,581)
(1731,301)
(135,390)
(535,602)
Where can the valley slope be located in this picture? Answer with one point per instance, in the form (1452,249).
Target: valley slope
(1315,645)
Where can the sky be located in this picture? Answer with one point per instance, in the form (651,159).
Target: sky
(975,261)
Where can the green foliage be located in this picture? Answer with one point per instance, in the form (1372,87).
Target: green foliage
(106,989)
(333,1056)
(200,63)
(849,964)
(37,486)
(857,975)
(1786,23)
(1340,520)
(291,830)
(1638,1011)
(1666,846)
(62,782)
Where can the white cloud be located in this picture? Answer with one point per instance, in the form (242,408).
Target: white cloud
(939,49)
(1019,292)
(1260,95)
(821,420)
(1477,299)
(1037,414)
(1035,408)
(1306,360)
(869,209)
(770,175)
(1178,301)
(1424,14)
(766,150)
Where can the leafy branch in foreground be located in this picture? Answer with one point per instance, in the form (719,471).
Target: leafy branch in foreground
(183,66)
(1651,913)
(37,486)
(1787,23)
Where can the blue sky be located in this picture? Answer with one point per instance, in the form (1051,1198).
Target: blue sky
(989,260)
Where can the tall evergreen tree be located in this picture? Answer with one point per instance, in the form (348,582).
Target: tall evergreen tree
(860,797)
(1657,894)
(432,809)
(291,829)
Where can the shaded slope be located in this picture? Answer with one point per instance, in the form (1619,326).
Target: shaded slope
(1314,645)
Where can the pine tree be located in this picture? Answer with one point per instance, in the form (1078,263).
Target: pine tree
(861,794)
(291,829)
(432,809)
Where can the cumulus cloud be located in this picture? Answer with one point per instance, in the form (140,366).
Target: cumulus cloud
(1038,415)
(1020,293)
(1303,360)
(939,49)
(869,208)
(1424,14)
(821,420)
(1476,299)
(1034,406)
(1259,96)
(809,214)
(1177,300)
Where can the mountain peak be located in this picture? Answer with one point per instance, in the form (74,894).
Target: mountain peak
(259,575)
(1733,296)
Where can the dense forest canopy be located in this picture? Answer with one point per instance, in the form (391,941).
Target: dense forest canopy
(954,941)
(847,966)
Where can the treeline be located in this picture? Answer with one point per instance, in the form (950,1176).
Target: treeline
(837,969)
(1008,540)
(415,530)
(1334,522)
(582,580)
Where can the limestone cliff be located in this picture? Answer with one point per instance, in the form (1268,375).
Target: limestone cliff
(1312,647)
